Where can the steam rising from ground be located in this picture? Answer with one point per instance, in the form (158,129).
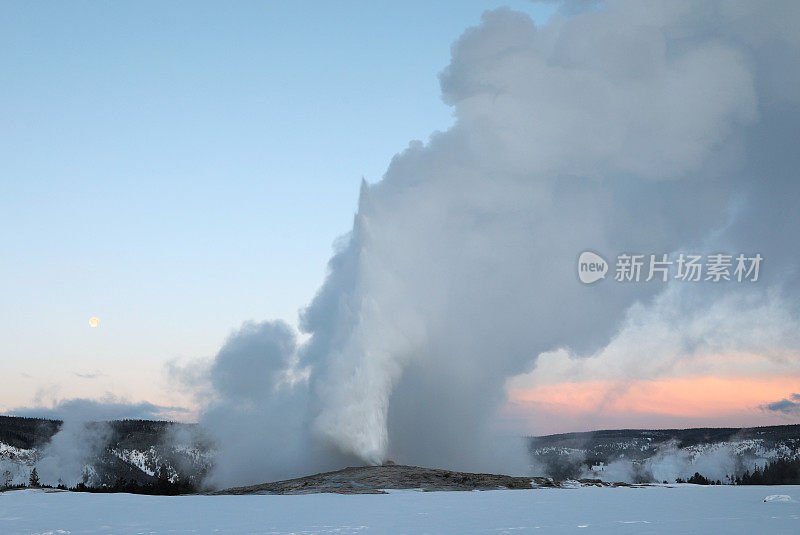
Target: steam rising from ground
(671,463)
(68,457)
(73,451)
(634,127)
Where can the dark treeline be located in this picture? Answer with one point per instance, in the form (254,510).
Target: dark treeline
(27,433)
(777,472)
(161,486)
(698,479)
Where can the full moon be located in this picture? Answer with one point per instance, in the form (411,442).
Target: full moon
(94,322)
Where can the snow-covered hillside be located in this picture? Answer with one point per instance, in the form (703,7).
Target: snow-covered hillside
(682,509)
(134,450)
(662,455)
(179,460)
(15,464)
(100,453)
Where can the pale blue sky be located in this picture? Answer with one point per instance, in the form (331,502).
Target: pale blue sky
(176,168)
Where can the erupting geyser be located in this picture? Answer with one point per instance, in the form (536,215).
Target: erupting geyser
(459,269)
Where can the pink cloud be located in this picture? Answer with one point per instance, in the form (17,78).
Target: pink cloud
(669,402)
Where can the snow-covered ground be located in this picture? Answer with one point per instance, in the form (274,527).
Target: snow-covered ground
(682,509)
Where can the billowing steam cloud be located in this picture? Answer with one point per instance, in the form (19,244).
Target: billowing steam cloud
(721,462)
(73,451)
(638,127)
(69,456)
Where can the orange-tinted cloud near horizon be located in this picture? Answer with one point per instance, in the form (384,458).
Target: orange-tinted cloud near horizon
(696,400)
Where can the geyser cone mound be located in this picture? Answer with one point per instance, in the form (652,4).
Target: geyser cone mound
(375,479)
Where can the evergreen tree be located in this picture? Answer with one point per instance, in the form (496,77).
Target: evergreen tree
(698,479)
(33,481)
(162,474)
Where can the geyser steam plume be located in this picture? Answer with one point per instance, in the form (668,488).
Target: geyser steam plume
(631,127)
